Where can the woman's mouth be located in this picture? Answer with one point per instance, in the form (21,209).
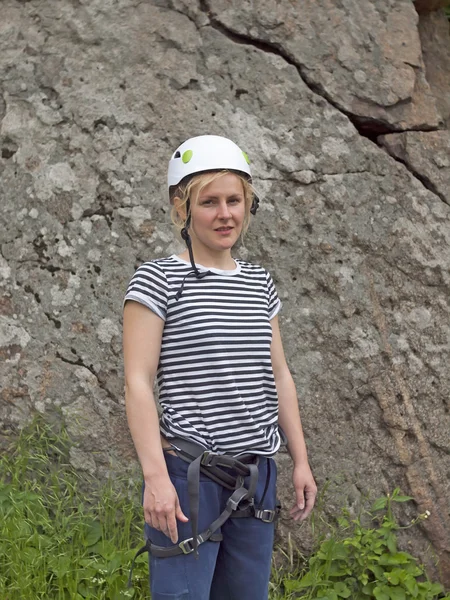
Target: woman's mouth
(224,230)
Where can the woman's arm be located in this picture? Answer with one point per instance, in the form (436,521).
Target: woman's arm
(290,422)
(142,334)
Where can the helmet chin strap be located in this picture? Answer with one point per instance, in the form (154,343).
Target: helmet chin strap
(187,238)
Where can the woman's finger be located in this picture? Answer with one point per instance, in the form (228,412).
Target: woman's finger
(172,527)
(160,521)
(148,518)
(310,498)
(296,512)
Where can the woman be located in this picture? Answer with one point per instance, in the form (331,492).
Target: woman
(208,329)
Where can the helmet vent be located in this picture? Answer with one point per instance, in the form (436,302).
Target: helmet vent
(177,154)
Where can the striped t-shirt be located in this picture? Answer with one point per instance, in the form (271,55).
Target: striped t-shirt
(215,378)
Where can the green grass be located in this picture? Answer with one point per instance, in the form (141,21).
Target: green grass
(65,537)
(57,541)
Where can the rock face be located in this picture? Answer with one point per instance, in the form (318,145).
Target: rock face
(365,58)
(355,228)
(425,153)
(433,30)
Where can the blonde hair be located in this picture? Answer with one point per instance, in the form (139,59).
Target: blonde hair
(191,190)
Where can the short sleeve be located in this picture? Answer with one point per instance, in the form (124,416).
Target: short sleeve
(149,287)
(274,303)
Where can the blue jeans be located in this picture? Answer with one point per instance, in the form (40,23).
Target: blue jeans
(238,567)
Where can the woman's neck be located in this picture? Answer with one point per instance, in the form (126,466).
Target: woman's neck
(213,260)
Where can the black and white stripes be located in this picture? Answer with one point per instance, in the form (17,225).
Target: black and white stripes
(215,378)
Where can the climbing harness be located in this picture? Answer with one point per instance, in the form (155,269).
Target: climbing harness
(230,472)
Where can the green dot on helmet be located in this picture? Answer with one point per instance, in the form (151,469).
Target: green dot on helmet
(187,156)
(247,160)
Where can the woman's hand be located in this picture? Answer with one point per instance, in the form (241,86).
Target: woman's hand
(162,506)
(305,492)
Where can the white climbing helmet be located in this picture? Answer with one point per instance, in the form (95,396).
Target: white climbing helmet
(206,153)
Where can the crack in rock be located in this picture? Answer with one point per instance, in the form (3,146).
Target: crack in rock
(423,156)
(424,180)
(55,322)
(80,363)
(367,127)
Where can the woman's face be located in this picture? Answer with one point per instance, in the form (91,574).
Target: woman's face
(218,214)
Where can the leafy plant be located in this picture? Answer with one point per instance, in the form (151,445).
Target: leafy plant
(362,563)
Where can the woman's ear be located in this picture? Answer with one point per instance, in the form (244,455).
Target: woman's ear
(180,207)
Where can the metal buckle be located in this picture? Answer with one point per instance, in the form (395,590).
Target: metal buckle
(266,516)
(207,458)
(184,546)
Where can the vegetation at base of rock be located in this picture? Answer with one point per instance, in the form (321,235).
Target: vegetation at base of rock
(59,541)
(359,559)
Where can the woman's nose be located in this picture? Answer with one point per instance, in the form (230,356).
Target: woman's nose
(224,210)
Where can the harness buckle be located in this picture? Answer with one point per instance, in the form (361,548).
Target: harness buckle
(186,546)
(233,504)
(207,458)
(266,516)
